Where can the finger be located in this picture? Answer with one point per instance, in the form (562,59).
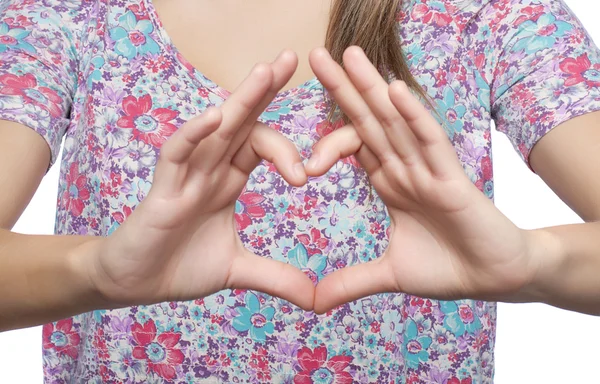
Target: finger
(272,277)
(368,160)
(437,150)
(176,151)
(266,143)
(235,111)
(422,124)
(352,283)
(184,141)
(283,68)
(337,83)
(374,90)
(339,144)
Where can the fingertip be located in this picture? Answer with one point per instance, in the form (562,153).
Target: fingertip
(300,290)
(320,164)
(318,54)
(294,175)
(213,116)
(397,88)
(353,52)
(299,175)
(312,164)
(283,68)
(319,169)
(307,303)
(263,71)
(203,125)
(287,56)
(324,301)
(320,310)
(291,168)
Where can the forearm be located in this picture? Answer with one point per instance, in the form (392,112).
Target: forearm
(568,273)
(42,278)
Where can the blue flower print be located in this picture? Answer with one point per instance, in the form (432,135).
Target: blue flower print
(370,242)
(391,325)
(261,180)
(340,176)
(459,317)
(483,95)
(415,346)
(336,219)
(541,34)
(371,341)
(196,313)
(132,37)
(98,315)
(484,33)
(413,54)
(213,329)
(451,112)
(275,110)
(219,300)
(373,371)
(281,203)
(360,229)
(13,38)
(96,74)
(313,265)
(253,319)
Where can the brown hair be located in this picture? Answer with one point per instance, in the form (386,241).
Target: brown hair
(373,26)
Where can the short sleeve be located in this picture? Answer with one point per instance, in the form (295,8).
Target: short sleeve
(37,69)
(547,73)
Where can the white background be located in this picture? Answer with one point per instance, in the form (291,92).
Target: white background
(535,343)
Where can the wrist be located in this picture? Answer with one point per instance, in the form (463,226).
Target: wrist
(546,254)
(83,260)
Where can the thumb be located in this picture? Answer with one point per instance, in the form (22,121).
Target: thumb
(272,277)
(353,283)
(339,144)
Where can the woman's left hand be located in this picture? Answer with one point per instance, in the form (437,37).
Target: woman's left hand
(447,239)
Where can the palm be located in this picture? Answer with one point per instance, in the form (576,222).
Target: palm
(185,232)
(432,259)
(434,236)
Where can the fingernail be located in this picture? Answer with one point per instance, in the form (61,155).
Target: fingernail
(313,161)
(299,169)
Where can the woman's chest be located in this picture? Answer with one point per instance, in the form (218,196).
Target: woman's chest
(136,89)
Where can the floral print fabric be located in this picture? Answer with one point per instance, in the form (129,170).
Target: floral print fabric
(104,76)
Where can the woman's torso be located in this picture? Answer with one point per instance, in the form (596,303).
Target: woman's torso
(135,88)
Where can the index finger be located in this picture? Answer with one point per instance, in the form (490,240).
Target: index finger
(282,68)
(337,82)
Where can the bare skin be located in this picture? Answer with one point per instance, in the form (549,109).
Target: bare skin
(249,32)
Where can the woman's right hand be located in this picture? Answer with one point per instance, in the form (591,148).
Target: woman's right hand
(181,242)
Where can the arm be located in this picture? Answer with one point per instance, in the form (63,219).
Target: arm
(39,281)
(569,256)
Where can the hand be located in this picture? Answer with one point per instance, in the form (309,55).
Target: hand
(181,242)
(447,240)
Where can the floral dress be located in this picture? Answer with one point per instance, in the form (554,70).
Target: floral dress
(103,79)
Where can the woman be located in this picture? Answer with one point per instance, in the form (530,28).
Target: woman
(120,78)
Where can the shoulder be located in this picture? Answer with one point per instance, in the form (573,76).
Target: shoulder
(68,16)
(508,17)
